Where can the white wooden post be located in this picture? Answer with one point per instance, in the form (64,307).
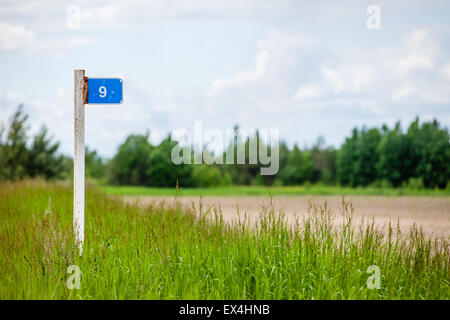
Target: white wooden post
(78,159)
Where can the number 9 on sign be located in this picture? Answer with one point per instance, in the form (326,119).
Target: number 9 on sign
(102,91)
(105,91)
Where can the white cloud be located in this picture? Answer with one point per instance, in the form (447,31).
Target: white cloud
(410,94)
(291,74)
(334,78)
(18,38)
(14,37)
(242,79)
(403,93)
(276,56)
(118,12)
(446,70)
(409,73)
(308,92)
(362,76)
(101,16)
(419,52)
(348,76)
(414,62)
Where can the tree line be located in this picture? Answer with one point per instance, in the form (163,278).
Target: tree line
(417,157)
(23,156)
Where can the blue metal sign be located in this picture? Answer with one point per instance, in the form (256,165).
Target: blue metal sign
(107,90)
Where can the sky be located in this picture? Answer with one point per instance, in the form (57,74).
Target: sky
(307,68)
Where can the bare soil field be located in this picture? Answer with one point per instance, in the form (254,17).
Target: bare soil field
(431,213)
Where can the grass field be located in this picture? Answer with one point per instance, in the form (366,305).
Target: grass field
(135,252)
(431,213)
(265,191)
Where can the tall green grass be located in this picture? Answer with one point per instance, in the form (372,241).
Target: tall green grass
(274,190)
(169,252)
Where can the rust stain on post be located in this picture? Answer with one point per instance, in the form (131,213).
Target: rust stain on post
(86,90)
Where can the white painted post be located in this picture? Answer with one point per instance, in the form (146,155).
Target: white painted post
(78,159)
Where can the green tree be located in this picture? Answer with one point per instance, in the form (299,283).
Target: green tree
(395,163)
(242,173)
(430,153)
(328,167)
(129,166)
(18,160)
(95,165)
(162,172)
(208,176)
(324,159)
(357,159)
(43,159)
(365,168)
(299,169)
(346,159)
(67,165)
(13,151)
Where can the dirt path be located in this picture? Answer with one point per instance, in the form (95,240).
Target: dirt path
(432,213)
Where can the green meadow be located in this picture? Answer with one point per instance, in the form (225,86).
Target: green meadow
(274,190)
(165,252)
